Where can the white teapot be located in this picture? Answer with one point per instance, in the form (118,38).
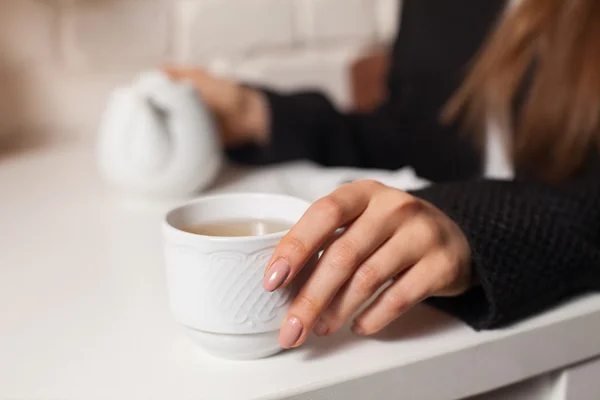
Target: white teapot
(157,139)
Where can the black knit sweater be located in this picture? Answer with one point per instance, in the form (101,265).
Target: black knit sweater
(534,245)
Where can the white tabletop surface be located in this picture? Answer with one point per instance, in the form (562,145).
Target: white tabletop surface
(83,313)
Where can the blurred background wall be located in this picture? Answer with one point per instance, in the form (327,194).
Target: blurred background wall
(59,59)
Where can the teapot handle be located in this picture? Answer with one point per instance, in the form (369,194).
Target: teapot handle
(165,93)
(196,150)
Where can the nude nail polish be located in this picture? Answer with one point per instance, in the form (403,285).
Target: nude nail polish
(290,333)
(277,275)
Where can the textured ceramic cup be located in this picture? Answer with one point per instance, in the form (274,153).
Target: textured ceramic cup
(215,283)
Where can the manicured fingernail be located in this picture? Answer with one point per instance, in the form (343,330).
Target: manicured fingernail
(290,333)
(277,275)
(321,328)
(358,330)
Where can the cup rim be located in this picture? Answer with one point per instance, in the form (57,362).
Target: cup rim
(215,197)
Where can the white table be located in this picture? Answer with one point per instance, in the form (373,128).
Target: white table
(83,315)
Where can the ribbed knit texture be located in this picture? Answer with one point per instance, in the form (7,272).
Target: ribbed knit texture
(533,245)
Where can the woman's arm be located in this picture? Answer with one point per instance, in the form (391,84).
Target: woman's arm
(533,245)
(487,252)
(307,125)
(430,54)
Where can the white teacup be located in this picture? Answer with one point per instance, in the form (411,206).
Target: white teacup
(215,283)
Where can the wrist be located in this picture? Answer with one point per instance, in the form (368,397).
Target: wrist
(249,122)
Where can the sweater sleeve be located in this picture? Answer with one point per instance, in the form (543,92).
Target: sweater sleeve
(533,245)
(307,125)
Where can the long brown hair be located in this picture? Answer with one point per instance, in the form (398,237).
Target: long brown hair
(558,120)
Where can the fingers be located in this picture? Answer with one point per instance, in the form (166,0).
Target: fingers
(387,234)
(417,237)
(410,289)
(389,260)
(181,73)
(219,94)
(307,237)
(337,264)
(413,238)
(242,113)
(432,276)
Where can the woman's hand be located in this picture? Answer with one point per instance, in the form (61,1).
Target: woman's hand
(389,235)
(242,113)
